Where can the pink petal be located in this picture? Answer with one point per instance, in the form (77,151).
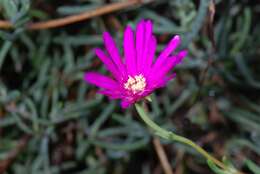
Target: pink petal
(129,51)
(166,52)
(111,94)
(150,54)
(125,104)
(107,61)
(100,80)
(140,34)
(171,62)
(146,47)
(161,83)
(113,51)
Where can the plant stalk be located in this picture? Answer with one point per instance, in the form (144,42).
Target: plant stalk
(174,137)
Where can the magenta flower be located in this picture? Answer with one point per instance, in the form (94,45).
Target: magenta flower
(136,75)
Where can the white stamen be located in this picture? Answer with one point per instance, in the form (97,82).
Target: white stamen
(135,84)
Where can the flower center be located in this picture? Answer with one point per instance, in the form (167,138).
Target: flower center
(136,83)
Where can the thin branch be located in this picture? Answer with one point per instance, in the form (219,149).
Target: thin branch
(76,18)
(162,156)
(5,24)
(82,16)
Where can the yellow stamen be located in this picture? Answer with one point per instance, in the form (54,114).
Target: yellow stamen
(135,84)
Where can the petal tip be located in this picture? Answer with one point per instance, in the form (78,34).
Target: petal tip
(141,23)
(86,76)
(128,29)
(96,50)
(89,76)
(183,53)
(148,21)
(106,36)
(177,38)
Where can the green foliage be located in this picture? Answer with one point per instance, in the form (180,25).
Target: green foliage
(217,170)
(72,129)
(252,166)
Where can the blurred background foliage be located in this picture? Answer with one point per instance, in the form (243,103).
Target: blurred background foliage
(52,122)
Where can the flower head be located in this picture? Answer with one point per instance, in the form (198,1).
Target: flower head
(137,74)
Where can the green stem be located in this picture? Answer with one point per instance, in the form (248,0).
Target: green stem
(172,136)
